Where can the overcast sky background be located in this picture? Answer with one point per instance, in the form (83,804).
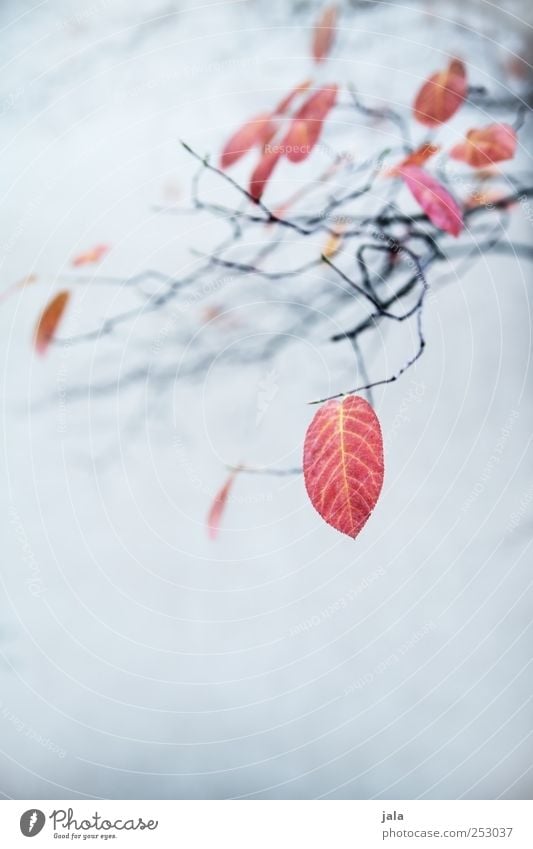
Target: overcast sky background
(138,658)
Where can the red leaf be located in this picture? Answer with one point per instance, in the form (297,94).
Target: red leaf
(262,172)
(417,157)
(218,506)
(49,321)
(88,257)
(343,463)
(440,207)
(288,100)
(306,127)
(487,145)
(257,131)
(324,34)
(441,95)
(297,144)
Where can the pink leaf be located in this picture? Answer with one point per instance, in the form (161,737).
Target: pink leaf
(218,506)
(441,95)
(440,207)
(485,146)
(343,463)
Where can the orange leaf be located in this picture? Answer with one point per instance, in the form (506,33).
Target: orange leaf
(218,506)
(306,127)
(257,131)
(441,95)
(440,207)
(343,463)
(333,243)
(49,321)
(88,257)
(324,34)
(487,145)
(262,172)
(417,157)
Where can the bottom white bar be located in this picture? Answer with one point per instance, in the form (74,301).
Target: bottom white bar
(268,824)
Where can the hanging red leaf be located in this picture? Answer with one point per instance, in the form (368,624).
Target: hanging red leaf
(218,506)
(343,463)
(440,207)
(255,132)
(91,256)
(306,127)
(297,143)
(288,100)
(441,95)
(485,146)
(417,157)
(49,321)
(324,34)
(262,172)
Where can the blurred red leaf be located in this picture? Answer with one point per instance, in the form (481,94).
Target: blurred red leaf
(288,100)
(417,157)
(218,506)
(262,172)
(486,146)
(324,34)
(49,321)
(306,127)
(441,95)
(343,463)
(436,201)
(255,132)
(91,256)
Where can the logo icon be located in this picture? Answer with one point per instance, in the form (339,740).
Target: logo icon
(32,822)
